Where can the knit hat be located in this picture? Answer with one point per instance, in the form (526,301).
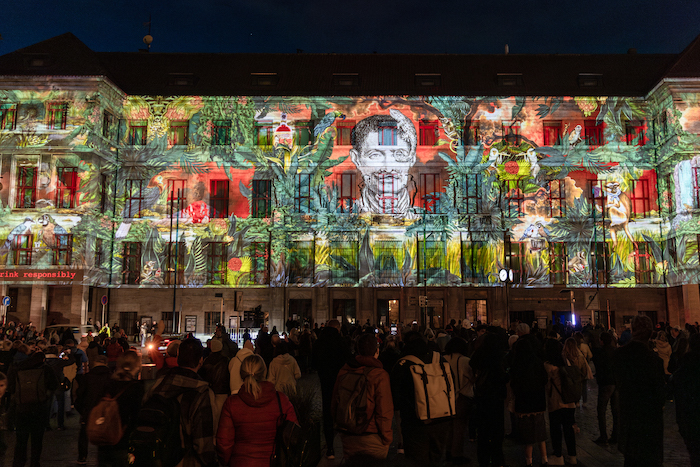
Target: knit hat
(216,345)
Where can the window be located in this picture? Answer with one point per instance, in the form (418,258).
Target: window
(431,262)
(134,201)
(262,198)
(23,245)
(103,193)
(109,126)
(516,201)
(593,133)
(599,252)
(471,133)
(387,135)
(211,320)
(170,319)
(8,116)
(348,194)
(175,263)
(511,133)
(176,195)
(590,80)
(57,115)
(509,79)
(63,250)
(474,246)
(260,262)
(515,259)
(661,127)
(471,195)
(343,134)
(301,262)
(302,197)
(476,311)
(264,135)
(388,262)
(596,196)
(667,198)
(131,267)
(346,79)
(388,198)
(99,253)
(26,187)
(635,133)
(138,132)
(218,199)
(302,133)
(557,263)
(264,79)
(696,186)
(344,265)
(216,263)
(557,198)
(67,184)
(221,132)
(427,79)
(427,133)
(552,133)
(430,192)
(643,271)
(639,197)
(177,136)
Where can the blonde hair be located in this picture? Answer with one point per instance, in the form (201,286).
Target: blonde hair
(253,370)
(128,366)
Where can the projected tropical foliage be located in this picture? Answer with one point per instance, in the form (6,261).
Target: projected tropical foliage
(193,191)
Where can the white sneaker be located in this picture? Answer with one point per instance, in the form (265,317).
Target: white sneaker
(555,460)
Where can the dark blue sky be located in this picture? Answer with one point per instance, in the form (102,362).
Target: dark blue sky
(359,26)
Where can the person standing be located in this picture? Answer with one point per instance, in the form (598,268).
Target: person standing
(607,391)
(143,333)
(374,442)
(561,415)
(639,376)
(686,389)
(88,395)
(31,382)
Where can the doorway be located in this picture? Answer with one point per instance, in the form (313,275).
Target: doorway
(344,310)
(300,310)
(561,317)
(387,312)
(476,312)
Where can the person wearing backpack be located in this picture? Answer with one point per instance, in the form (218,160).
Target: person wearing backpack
(425,441)
(87,396)
(362,406)
(194,399)
(455,354)
(127,391)
(561,414)
(32,383)
(249,419)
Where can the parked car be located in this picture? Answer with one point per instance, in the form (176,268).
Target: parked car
(79,330)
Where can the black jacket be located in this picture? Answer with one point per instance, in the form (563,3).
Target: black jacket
(34,361)
(330,352)
(89,394)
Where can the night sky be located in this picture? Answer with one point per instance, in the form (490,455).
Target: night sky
(358,26)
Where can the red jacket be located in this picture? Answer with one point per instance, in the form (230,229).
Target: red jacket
(114,350)
(380,405)
(247,427)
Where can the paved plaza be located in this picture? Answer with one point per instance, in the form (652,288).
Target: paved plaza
(61,447)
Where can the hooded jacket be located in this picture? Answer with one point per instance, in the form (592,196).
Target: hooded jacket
(234,368)
(247,427)
(283,373)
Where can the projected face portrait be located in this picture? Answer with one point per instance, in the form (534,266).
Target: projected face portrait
(384,150)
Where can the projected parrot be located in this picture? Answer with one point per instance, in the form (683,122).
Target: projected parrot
(575,136)
(150,196)
(326,122)
(49,230)
(22,229)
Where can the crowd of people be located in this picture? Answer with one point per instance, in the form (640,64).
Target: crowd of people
(428,391)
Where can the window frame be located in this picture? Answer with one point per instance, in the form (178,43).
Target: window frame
(130,196)
(23,245)
(471,133)
(63,252)
(264,135)
(593,133)
(469,262)
(556,198)
(635,133)
(302,194)
(8,114)
(296,272)
(516,253)
(211,320)
(599,200)
(72,189)
(511,130)
(219,199)
(558,263)
(601,256)
(643,275)
(175,263)
(472,183)
(138,133)
(552,133)
(131,258)
(219,129)
(393,200)
(347,247)
(347,191)
(432,252)
(22,189)
(516,200)
(259,250)
(430,200)
(109,124)
(216,263)
(261,200)
(428,133)
(344,133)
(387,134)
(178,132)
(56,115)
(644,198)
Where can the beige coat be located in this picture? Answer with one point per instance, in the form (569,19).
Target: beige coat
(284,373)
(553,398)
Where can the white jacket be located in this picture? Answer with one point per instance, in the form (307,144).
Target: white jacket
(234,367)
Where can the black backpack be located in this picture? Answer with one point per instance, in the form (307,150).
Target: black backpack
(156,440)
(571,379)
(350,404)
(31,388)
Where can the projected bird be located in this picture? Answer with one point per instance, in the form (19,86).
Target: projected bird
(24,228)
(575,136)
(149,197)
(49,230)
(326,122)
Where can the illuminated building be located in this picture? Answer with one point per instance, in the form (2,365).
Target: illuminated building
(318,186)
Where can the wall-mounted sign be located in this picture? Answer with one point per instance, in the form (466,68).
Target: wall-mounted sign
(190,324)
(40,275)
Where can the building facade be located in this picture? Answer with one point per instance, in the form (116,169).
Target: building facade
(237,189)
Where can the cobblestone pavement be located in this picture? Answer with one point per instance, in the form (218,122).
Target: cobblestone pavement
(61,447)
